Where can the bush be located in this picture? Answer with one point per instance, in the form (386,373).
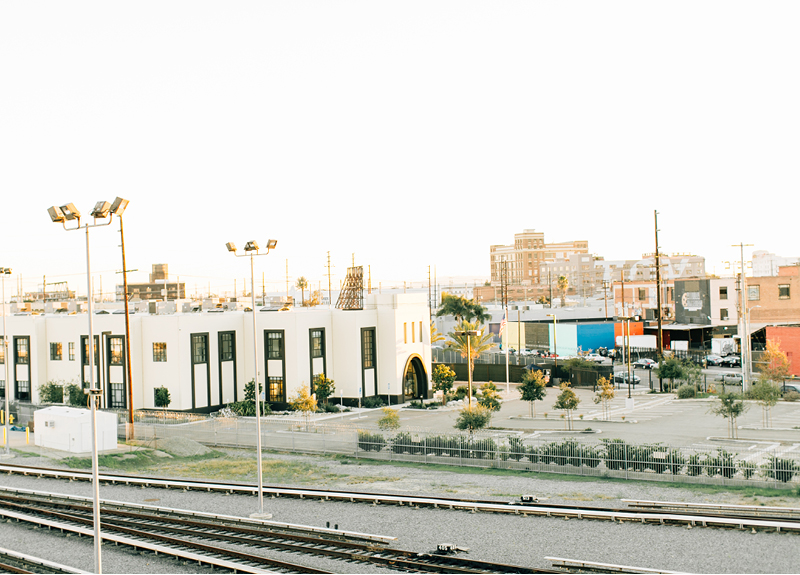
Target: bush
(516,448)
(404,443)
(482,449)
(721,464)
(461,392)
(615,453)
(372,402)
(52,392)
(791,396)
(390,419)
(328,408)
(370,441)
(748,468)
(161,397)
(780,469)
(695,466)
(687,391)
(473,418)
(444,445)
(248,408)
(75,395)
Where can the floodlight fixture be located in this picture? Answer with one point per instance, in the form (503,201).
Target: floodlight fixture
(101,209)
(251,246)
(70,212)
(231,246)
(6,271)
(56,214)
(271,244)
(119,205)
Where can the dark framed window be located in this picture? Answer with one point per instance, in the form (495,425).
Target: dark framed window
(115,351)
(159,351)
(274,345)
(2,349)
(317,343)
(2,388)
(783,291)
(85,352)
(723,292)
(642,295)
(24,390)
(275,388)
(55,351)
(21,350)
(199,348)
(753,293)
(368,347)
(226,346)
(117,395)
(71,350)
(723,314)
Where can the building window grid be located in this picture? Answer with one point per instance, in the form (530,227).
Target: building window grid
(55,351)
(115,345)
(723,314)
(226,350)
(71,350)
(22,351)
(274,345)
(316,343)
(159,351)
(368,342)
(199,349)
(723,292)
(2,350)
(784,291)
(275,388)
(753,293)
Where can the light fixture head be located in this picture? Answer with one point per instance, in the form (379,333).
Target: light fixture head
(101,209)
(251,246)
(271,244)
(119,206)
(70,212)
(6,271)
(231,246)
(56,214)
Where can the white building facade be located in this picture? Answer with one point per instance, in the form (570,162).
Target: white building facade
(205,357)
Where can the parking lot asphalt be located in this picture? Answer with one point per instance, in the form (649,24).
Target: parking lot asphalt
(653,417)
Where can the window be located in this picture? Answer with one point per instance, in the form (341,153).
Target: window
(22,350)
(723,314)
(2,349)
(783,291)
(413,334)
(275,388)
(117,396)
(317,343)
(115,350)
(274,345)
(368,347)
(159,351)
(723,292)
(405,332)
(199,348)
(642,295)
(85,354)
(71,348)
(420,332)
(55,351)
(24,390)
(226,346)
(3,388)
(753,293)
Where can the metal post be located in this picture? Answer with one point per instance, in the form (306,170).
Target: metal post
(469,368)
(3,273)
(127,332)
(628,354)
(260,514)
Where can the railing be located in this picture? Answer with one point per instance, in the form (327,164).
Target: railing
(768,467)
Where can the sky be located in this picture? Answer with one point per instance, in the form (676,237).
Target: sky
(407,133)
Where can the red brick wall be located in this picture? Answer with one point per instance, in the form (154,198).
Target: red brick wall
(789,338)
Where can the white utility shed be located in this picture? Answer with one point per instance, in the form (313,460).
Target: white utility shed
(70,429)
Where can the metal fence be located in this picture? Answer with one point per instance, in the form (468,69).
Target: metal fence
(771,466)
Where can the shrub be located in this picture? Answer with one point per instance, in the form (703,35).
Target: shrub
(390,419)
(791,396)
(373,402)
(52,392)
(780,469)
(695,466)
(416,404)
(443,378)
(328,408)
(482,448)
(615,453)
(461,392)
(687,391)
(404,443)
(748,468)
(161,397)
(324,388)
(472,418)
(445,445)
(516,448)
(248,408)
(75,395)
(370,441)
(721,464)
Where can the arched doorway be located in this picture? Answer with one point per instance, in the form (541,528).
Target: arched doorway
(414,380)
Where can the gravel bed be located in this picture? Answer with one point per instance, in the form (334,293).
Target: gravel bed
(490,537)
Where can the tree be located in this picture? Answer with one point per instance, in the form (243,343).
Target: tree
(462,309)
(443,378)
(563,285)
(692,374)
(672,369)
(435,334)
(75,395)
(324,388)
(477,343)
(767,394)
(774,363)
(543,299)
(302,284)
(162,398)
(390,420)
(473,417)
(489,397)
(304,403)
(604,395)
(52,392)
(730,409)
(532,388)
(568,401)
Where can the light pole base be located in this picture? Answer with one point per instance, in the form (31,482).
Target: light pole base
(629,401)
(261,516)
(6,455)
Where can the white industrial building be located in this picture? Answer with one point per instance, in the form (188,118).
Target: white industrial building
(204,357)
(69,429)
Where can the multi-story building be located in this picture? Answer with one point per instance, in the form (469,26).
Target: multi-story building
(766,264)
(707,301)
(641,299)
(158,288)
(775,299)
(522,259)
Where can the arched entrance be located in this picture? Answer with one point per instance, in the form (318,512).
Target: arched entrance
(414,380)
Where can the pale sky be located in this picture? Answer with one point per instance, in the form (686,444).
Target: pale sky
(408,133)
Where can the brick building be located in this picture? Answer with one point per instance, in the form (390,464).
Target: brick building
(775,299)
(524,257)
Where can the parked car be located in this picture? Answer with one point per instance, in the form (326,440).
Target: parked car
(594,357)
(731,378)
(731,361)
(713,360)
(787,387)
(622,377)
(645,363)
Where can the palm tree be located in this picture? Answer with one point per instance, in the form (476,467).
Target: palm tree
(477,343)
(302,284)
(435,335)
(462,309)
(563,285)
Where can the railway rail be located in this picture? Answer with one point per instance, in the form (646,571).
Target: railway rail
(698,516)
(13,562)
(217,537)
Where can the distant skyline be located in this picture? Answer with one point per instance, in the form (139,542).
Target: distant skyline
(409,133)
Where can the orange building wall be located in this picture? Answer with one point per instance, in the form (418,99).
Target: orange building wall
(637,328)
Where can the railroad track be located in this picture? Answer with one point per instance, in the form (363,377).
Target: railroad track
(218,538)
(733,517)
(13,562)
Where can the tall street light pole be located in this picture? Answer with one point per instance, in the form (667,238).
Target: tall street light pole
(3,273)
(62,215)
(555,341)
(251,250)
(130,433)
(468,334)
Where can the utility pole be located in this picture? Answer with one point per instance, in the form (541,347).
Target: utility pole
(430,306)
(330,298)
(287,281)
(659,340)
(605,296)
(369,279)
(745,338)
(127,331)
